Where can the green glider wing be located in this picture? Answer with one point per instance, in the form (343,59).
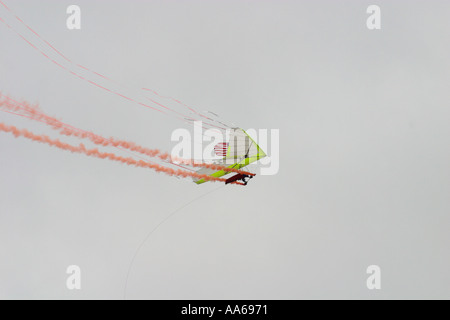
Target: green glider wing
(242,150)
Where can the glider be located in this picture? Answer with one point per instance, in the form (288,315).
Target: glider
(239,152)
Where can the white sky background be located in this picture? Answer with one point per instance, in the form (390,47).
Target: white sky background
(365,135)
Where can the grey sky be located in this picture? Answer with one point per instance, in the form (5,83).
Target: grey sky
(364,177)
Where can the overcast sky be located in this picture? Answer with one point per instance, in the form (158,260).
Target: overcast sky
(364,152)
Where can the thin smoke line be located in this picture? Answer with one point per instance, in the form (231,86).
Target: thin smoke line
(141,245)
(98,74)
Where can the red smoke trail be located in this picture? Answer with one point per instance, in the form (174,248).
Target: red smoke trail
(20,20)
(35,114)
(183,117)
(185,105)
(74,73)
(165,97)
(102,155)
(43,121)
(68,130)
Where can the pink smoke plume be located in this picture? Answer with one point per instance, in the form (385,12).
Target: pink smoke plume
(34,113)
(102,155)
